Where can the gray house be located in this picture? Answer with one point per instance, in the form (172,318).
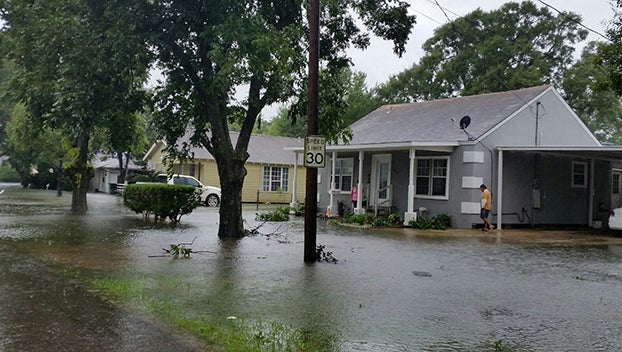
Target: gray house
(541,163)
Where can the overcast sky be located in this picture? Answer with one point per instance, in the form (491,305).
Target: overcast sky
(379,62)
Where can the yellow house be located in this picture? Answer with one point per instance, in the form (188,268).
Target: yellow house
(273,172)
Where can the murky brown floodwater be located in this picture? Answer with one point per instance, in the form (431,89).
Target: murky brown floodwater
(530,290)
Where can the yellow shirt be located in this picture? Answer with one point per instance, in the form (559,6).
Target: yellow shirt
(486,200)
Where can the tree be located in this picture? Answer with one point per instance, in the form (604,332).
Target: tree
(79,64)
(611,54)
(516,46)
(343,99)
(6,105)
(598,107)
(207,50)
(33,152)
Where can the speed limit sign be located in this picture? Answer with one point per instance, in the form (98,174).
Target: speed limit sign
(315,151)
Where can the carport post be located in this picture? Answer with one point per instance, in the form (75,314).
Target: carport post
(591,200)
(500,190)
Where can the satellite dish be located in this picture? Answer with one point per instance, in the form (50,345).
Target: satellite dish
(465,122)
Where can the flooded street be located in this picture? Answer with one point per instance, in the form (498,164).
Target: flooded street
(392,289)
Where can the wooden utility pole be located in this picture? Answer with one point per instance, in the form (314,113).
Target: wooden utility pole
(310,255)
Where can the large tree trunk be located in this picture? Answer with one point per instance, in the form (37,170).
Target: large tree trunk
(232,172)
(231,221)
(81,176)
(231,182)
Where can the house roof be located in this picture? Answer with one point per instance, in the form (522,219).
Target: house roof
(261,148)
(437,122)
(110,162)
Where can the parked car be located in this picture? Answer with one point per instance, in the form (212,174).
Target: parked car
(615,219)
(210,195)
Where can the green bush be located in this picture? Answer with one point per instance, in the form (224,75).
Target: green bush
(162,200)
(438,222)
(359,219)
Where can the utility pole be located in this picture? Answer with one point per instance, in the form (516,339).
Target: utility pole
(310,239)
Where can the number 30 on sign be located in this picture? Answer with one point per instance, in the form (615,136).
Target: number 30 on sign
(315,151)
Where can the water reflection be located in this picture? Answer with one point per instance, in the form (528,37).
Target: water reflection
(553,290)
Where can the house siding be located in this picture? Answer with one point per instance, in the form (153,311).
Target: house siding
(206,171)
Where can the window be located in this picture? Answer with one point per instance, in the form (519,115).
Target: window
(275,178)
(344,169)
(579,174)
(432,177)
(615,183)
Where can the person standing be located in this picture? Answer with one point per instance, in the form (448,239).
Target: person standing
(486,205)
(354,195)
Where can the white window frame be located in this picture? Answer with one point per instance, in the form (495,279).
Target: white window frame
(431,177)
(341,175)
(616,182)
(267,183)
(574,183)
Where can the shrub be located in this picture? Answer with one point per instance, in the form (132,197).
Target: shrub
(359,219)
(438,222)
(162,200)
(394,219)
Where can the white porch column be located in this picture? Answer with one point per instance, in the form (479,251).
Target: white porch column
(331,207)
(410,213)
(359,204)
(499,190)
(294,203)
(590,207)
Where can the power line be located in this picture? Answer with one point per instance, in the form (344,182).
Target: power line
(428,17)
(443,10)
(574,20)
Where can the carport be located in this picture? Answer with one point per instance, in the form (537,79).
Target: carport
(612,154)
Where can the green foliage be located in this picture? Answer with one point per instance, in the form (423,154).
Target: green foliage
(596,102)
(516,46)
(343,99)
(178,249)
(610,55)
(281,213)
(208,50)
(8,174)
(79,67)
(34,152)
(438,222)
(358,219)
(162,200)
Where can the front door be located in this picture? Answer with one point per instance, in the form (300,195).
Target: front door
(381,180)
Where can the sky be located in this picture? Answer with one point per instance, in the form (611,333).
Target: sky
(379,63)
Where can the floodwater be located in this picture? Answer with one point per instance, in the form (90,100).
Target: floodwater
(391,290)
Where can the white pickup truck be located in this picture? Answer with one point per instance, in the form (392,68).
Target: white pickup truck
(210,196)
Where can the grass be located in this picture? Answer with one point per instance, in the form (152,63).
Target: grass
(228,334)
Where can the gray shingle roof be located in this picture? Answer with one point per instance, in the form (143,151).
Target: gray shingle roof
(261,148)
(111,162)
(431,121)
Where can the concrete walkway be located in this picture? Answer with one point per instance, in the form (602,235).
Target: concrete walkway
(41,310)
